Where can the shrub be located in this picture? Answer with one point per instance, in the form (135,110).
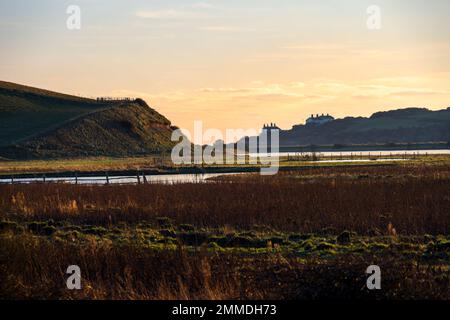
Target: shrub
(344,238)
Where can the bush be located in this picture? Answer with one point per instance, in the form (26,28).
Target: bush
(168,233)
(344,238)
(193,238)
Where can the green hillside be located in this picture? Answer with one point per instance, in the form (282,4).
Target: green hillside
(36,123)
(26,111)
(410,125)
(403,118)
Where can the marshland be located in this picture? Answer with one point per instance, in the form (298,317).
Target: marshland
(301,234)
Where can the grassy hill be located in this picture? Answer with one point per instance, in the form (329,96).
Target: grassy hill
(37,123)
(26,111)
(411,125)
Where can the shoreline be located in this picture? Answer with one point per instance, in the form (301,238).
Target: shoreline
(132,167)
(176,171)
(368,147)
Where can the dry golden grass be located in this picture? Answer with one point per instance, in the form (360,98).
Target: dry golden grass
(401,204)
(413,201)
(100,164)
(34,268)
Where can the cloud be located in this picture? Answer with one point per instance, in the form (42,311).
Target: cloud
(335,87)
(297,84)
(202,5)
(314,46)
(274,88)
(400,79)
(417,92)
(160,14)
(193,11)
(170,14)
(225,90)
(219,29)
(273,97)
(336,48)
(380,91)
(314,92)
(292,92)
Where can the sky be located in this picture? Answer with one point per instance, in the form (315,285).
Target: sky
(235,63)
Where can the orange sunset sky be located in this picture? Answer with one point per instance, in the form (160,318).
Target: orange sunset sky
(235,64)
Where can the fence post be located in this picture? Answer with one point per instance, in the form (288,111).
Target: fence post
(144,177)
(138,177)
(76,177)
(107,178)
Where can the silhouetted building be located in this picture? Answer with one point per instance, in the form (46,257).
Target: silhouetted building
(271,126)
(319,119)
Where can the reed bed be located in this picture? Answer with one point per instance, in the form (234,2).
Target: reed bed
(303,234)
(35,269)
(413,201)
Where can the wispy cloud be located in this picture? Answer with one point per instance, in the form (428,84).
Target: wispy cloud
(193,11)
(220,29)
(373,89)
(202,5)
(382,91)
(170,14)
(260,91)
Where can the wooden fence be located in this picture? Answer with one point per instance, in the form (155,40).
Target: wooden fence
(139,178)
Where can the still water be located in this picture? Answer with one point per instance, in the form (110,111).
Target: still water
(376,153)
(163,179)
(322,157)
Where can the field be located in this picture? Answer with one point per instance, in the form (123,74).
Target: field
(163,162)
(303,234)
